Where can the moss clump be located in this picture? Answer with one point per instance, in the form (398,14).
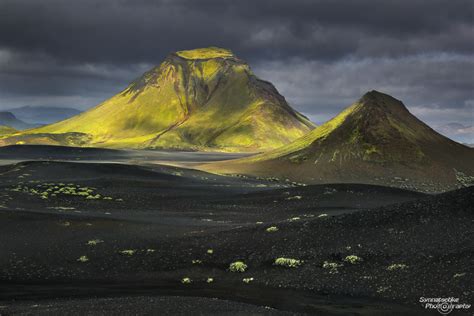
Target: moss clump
(272,229)
(295,197)
(186,280)
(288,262)
(238,266)
(94,242)
(128,252)
(247,280)
(353,259)
(294,219)
(397,266)
(332,266)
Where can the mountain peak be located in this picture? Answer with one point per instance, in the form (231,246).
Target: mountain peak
(376,97)
(375,100)
(206,53)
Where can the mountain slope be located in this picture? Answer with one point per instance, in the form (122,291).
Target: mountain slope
(10,120)
(198,99)
(5,130)
(375,140)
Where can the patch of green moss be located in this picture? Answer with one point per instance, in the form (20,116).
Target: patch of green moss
(238,266)
(288,262)
(47,190)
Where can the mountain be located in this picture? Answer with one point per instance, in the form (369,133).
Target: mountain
(10,120)
(198,99)
(41,115)
(377,141)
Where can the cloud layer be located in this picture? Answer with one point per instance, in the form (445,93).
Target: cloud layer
(322,55)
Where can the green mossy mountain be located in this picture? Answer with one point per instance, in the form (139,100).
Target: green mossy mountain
(202,99)
(376,140)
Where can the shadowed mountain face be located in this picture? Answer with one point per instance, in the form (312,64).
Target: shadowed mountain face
(198,99)
(375,140)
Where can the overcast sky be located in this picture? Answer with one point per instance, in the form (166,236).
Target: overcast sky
(321,55)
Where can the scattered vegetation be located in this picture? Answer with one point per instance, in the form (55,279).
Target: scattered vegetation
(287,262)
(247,280)
(353,259)
(197,261)
(272,229)
(382,289)
(48,190)
(238,266)
(186,280)
(332,266)
(94,242)
(83,259)
(296,197)
(463,179)
(397,266)
(128,252)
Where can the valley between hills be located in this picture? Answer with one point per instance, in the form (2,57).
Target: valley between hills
(199,190)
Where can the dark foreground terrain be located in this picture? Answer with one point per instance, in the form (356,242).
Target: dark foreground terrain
(96,238)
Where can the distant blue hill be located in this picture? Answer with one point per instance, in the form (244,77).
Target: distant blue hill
(9,119)
(40,115)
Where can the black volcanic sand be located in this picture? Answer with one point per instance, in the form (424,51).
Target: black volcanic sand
(17,153)
(167,219)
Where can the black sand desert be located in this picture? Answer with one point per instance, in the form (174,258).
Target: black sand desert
(141,231)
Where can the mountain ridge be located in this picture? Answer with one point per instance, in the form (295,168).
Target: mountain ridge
(376,140)
(10,120)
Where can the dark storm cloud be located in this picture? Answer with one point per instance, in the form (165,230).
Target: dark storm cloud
(138,31)
(320,54)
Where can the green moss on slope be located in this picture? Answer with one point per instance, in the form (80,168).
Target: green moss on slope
(205,53)
(6,130)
